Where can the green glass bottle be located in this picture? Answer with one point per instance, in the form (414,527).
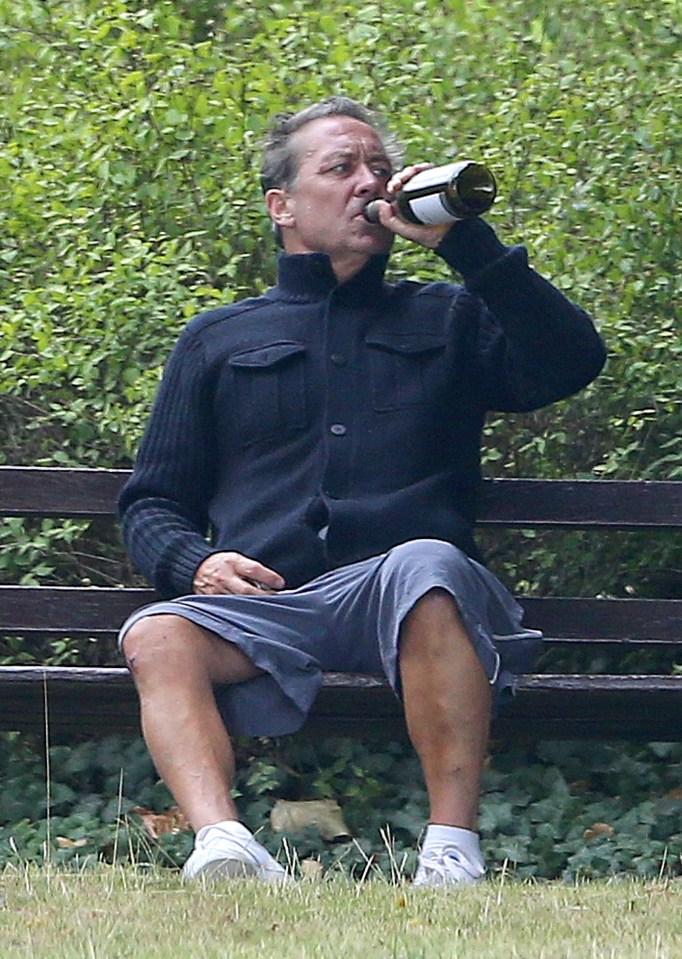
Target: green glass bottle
(443,194)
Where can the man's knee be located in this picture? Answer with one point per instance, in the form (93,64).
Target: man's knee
(434,618)
(436,601)
(165,648)
(153,640)
(421,554)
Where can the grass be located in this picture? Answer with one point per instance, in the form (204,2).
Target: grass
(130,912)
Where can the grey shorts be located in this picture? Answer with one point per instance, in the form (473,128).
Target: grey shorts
(348,620)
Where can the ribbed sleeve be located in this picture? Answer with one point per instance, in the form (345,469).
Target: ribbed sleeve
(533,345)
(163,506)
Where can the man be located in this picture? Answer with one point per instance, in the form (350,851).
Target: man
(327,433)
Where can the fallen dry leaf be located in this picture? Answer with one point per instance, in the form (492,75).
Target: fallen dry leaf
(64,843)
(599,829)
(325,815)
(160,824)
(311,869)
(674,794)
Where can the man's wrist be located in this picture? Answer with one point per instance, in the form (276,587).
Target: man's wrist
(185,564)
(471,245)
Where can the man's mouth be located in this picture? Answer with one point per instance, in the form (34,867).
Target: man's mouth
(362,213)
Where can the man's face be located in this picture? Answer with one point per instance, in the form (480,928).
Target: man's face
(342,165)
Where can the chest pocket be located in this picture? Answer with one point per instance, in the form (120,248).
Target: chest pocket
(403,367)
(269,395)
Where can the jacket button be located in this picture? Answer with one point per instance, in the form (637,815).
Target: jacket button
(338,359)
(338,429)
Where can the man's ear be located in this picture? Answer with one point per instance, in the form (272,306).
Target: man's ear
(278,204)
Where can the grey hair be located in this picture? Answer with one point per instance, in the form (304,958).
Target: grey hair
(280,159)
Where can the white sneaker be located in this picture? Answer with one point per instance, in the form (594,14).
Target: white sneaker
(231,852)
(447,866)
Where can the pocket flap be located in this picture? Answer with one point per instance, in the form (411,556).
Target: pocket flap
(266,356)
(406,343)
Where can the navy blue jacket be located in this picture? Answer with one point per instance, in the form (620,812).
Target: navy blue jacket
(319,423)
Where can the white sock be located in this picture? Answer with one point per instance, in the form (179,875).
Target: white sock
(230,826)
(465,840)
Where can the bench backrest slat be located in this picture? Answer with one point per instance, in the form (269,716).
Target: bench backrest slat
(63,611)
(579,504)
(54,491)
(582,504)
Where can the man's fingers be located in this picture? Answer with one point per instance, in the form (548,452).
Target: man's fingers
(399,179)
(261,576)
(215,585)
(231,586)
(232,573)
(252,587)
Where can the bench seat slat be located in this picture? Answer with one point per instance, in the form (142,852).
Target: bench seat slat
(85,700)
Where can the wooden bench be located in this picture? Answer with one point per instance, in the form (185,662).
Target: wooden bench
(73,702)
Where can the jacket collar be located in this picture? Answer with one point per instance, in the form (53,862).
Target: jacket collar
(308,277)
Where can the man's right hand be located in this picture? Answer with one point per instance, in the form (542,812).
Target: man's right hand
(232,573)
(428,236)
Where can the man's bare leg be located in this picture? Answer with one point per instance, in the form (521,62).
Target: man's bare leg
(447,707)
(175,665)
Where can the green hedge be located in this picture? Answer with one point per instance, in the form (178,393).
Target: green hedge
(129,196)
(129,151)
(562,811)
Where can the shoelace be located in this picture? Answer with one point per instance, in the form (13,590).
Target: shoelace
(453,859)
(450,863)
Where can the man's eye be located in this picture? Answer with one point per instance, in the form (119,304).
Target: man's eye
(383,172)
(342,167)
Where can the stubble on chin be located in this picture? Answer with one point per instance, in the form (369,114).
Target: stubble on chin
(374,239)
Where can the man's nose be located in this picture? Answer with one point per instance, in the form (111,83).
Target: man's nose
(369,182)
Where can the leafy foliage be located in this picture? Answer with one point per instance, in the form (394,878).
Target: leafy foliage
(130,200)
(129,149)
(557,811)
(129,138)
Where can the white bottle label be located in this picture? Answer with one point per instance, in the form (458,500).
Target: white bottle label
(429,210)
